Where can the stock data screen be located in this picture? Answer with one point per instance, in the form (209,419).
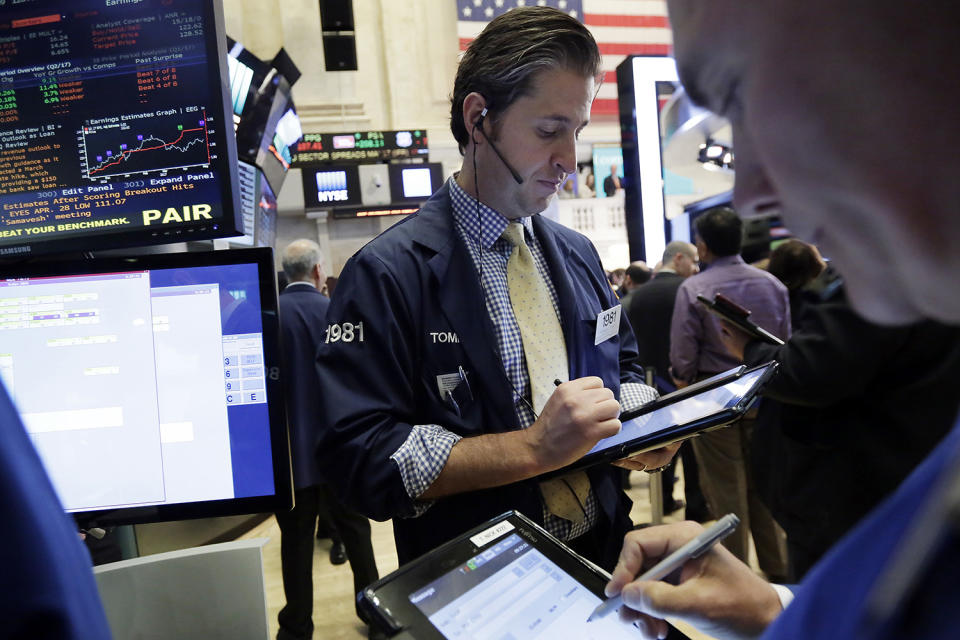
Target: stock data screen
(112,127)
(360,147)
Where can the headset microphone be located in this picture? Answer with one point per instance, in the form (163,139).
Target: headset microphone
(479,125)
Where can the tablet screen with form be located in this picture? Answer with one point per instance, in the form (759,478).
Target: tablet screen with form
(513,591)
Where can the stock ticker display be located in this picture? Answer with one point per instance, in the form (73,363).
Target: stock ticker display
(111,123)
(359,147)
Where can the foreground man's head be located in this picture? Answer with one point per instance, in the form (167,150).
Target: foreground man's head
(844,117)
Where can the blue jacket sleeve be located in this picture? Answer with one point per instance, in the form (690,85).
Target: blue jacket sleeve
(368,377)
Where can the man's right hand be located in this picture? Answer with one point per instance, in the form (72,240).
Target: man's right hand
(578,414)
(716,593)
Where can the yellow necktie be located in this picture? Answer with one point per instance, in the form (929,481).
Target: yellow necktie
(546,354)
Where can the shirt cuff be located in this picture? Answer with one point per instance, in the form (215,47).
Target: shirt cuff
(421,458)
(634,395)
(784,593)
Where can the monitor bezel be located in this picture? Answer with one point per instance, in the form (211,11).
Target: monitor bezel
(280,454)
(396,180)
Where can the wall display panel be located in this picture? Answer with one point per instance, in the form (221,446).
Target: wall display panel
(414,182)
(374,184)
(114,125)
(360,147)
(331,186)
(165,402)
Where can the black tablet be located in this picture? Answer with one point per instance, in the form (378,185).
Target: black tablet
(506,579)
(728,310)
(713,403)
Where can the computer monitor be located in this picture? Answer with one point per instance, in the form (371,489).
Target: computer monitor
(247,72)
(115,125)
(414,182)
(326,187)
(150,385)
(275,159)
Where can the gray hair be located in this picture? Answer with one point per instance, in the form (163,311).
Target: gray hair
(299,259)
(501,62)
(675,247)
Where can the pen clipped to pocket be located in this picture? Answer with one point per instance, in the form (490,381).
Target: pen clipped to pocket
(454,389)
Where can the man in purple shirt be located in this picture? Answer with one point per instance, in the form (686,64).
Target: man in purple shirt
(697,351)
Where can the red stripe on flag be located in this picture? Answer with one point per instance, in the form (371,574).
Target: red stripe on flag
(464,43)
(605,106)
(620,49)
(607,20)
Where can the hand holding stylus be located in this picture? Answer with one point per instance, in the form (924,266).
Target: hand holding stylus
(716,593)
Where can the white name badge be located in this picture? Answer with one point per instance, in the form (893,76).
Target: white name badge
(608,324)
(496,531)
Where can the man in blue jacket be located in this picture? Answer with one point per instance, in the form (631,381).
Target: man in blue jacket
(449,331)
(844,119)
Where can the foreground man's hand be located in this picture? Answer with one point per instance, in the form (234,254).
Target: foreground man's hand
(716,593)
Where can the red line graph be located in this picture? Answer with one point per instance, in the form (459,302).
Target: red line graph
(123,155)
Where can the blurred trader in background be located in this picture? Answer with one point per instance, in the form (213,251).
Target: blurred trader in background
(650,309)
(697,352)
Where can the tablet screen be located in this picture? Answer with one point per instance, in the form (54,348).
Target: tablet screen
(513,591)
(685,411)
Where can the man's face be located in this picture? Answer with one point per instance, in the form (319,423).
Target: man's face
(686,265)
(537,135)
(849,137)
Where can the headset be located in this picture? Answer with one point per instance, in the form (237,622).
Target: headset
(479,125)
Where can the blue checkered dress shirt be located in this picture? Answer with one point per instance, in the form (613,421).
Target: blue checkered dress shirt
(422,456)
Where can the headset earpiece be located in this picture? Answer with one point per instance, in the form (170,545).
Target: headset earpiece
(478,124)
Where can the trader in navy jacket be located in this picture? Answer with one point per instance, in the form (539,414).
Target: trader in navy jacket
(428,401)
(811,87)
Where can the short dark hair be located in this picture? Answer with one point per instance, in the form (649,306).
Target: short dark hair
(638,273)
(795,264)
(501,62)
(721,230)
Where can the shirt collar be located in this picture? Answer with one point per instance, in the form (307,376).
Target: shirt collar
(491,223)
(726,260)
(309,284)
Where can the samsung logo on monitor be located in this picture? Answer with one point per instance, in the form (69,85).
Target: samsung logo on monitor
(332,186)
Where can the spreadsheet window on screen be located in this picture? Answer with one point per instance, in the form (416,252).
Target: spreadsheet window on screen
(118,377)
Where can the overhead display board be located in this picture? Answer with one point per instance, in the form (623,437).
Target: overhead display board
(360,147)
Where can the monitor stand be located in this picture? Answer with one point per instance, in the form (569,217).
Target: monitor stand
(212,592)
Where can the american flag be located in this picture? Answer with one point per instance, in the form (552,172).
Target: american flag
(621,28)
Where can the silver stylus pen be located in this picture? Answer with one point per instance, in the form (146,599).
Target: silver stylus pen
(693,549)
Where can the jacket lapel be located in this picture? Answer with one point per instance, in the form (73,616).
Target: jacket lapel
(462,302)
